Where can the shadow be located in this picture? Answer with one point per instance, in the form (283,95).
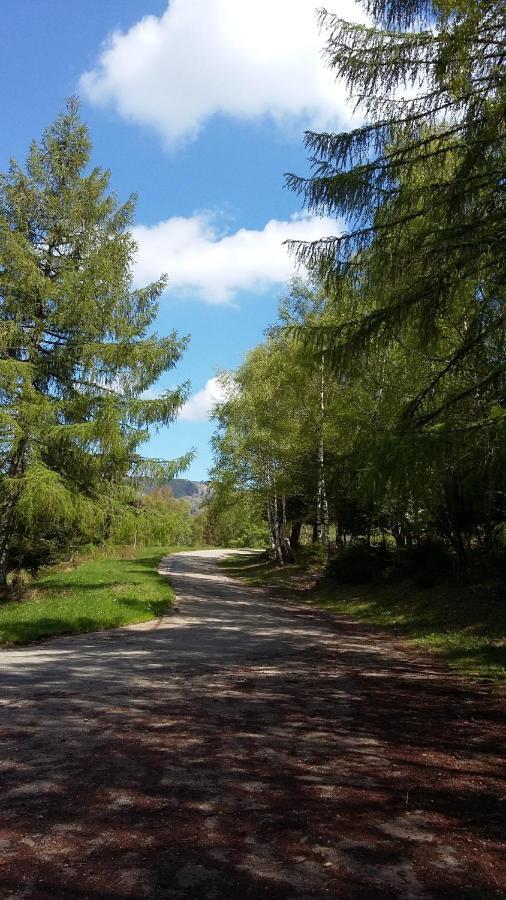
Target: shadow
(48,587)
(246,748)
(43,628)
(487,655)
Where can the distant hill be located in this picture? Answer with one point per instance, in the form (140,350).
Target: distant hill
(182,488)
(194,491)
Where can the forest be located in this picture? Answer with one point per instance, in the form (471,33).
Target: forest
(370,424)
(253,450)
(372,418)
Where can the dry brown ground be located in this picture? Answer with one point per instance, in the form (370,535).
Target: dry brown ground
(245,749)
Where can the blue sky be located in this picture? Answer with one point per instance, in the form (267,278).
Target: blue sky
(199,107)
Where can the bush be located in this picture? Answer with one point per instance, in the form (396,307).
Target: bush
(426,562)
(311,554)
(359,564)
(486,564)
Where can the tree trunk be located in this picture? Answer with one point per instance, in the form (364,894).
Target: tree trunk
(6,529)
(269,523)
(295,535)
(399,536)
(322,508)
(277,531)
(462,556)
(272,519)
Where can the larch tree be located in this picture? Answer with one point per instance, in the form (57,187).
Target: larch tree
(421,184)
(77,350)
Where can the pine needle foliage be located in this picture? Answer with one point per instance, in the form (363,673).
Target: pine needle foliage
(421,185)
(77,349)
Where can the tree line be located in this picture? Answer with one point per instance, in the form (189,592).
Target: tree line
(374,411)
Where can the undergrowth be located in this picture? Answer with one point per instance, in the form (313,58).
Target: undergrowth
(464,624)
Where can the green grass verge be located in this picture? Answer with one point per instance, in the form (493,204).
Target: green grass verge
(465,625)
(102,593)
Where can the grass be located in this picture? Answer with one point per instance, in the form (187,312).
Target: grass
(98,594)
(464,624)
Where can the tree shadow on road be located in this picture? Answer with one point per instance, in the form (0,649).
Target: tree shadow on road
(246,750)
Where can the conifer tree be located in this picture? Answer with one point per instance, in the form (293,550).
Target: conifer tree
(421,185)
(77,349)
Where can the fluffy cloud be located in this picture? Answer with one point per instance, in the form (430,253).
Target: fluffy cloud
(201,261)
(244,59)
(199,407)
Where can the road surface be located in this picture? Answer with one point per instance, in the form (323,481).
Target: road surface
(244,748)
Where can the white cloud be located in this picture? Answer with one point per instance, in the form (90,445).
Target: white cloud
(244,59)
(199,406)
(200,260)
(151,393)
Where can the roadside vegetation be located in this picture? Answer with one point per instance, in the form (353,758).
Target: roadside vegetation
(370,424)
(464,624)
(78,354)
(84,518)
(122,588)
(371,421)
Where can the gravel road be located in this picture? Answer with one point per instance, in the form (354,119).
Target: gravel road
(245,748)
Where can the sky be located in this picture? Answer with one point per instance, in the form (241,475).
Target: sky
(199,107)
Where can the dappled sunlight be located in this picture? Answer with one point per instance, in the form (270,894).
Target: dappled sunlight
(239,742)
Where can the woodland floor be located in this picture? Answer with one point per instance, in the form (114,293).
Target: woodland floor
(242,747)
(463,623)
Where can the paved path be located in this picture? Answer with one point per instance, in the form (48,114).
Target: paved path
(244,749)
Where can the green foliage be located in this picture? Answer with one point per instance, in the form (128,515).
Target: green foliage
(233,518)
(465,625)
(102,593)
(414,321)
(358,564)
(425,562)
(198,529)
(77,349)
(385,482)
(155,519)
(419,277)
(270,426)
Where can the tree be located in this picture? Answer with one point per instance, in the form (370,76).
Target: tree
(77,349)
(232,517)
(421,270)
(273,429)
(384,483)
(154,519)
(421,184)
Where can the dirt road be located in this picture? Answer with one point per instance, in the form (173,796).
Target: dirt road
(245,749)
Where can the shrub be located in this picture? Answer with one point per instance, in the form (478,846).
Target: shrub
(426,562)
(359,564)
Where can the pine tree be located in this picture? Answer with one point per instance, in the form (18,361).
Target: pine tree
(77,349)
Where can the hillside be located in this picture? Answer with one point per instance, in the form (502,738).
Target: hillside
(194,491)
